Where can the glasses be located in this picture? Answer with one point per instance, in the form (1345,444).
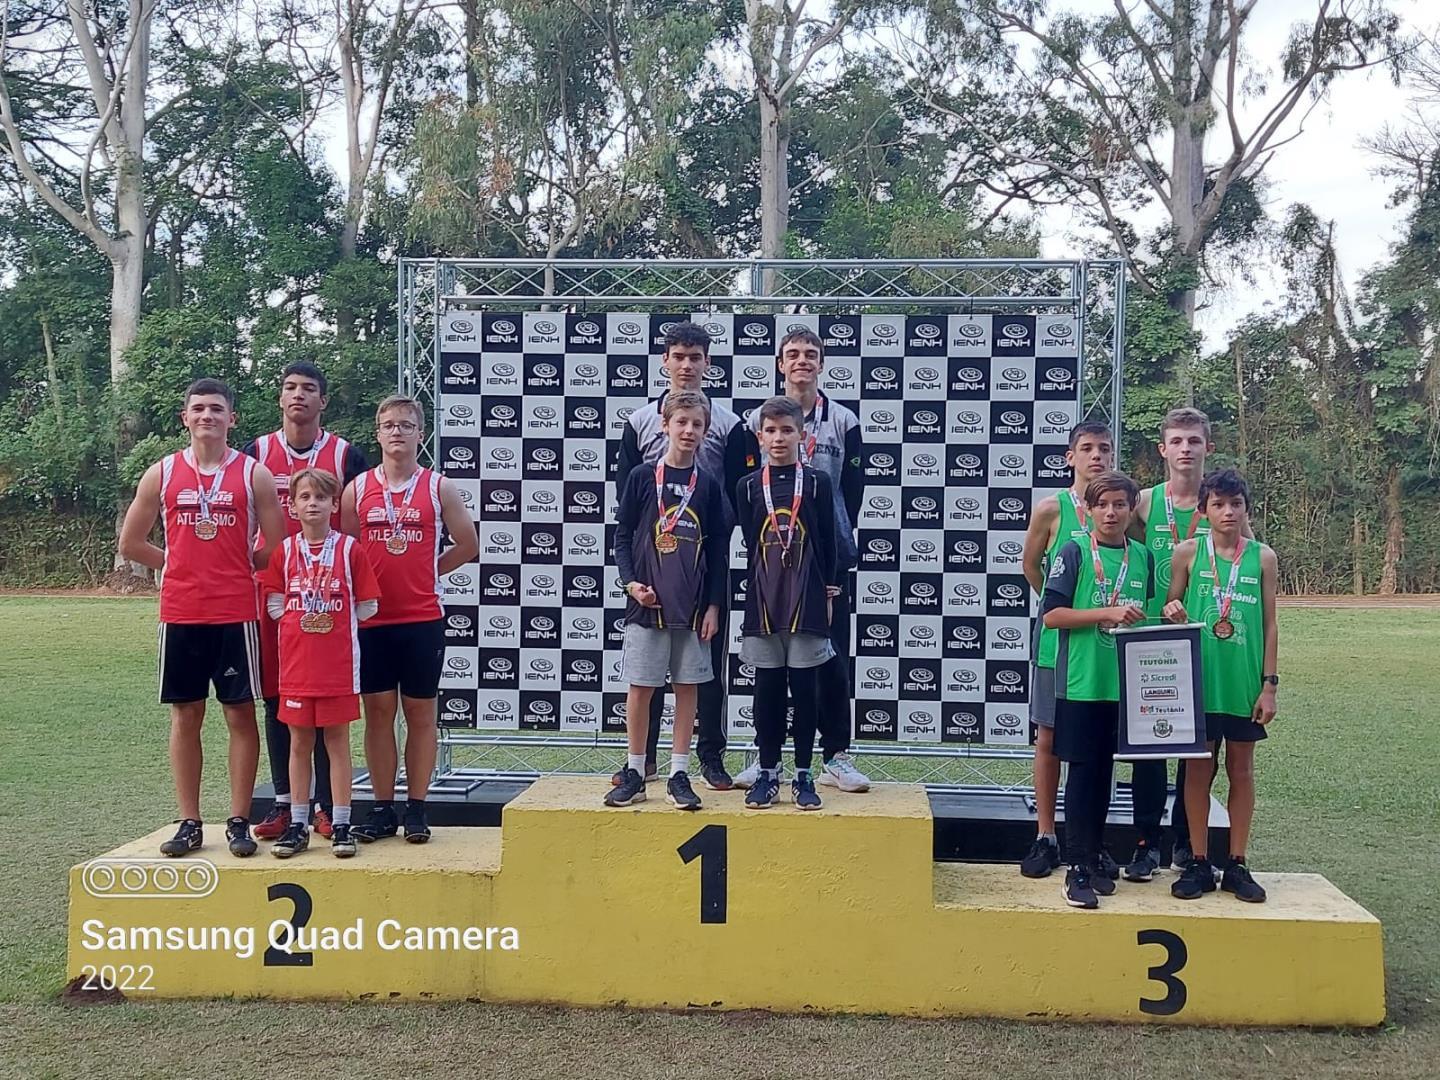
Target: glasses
(404,427)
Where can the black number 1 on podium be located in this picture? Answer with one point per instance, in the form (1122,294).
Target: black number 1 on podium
(710,846)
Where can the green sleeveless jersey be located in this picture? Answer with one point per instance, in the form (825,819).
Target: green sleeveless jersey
(1070,527)
(1087,667)
(1230,670)
(1161,542)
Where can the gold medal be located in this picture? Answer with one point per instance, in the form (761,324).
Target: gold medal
(787,557)
(667,543)
(317,622)
(1224,629)
(396,544)
(206,529)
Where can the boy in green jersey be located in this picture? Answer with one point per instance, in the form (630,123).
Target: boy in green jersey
(1092,588)
(1056,519)
(1227,582)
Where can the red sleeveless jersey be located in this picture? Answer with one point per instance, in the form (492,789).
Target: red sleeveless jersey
(409,579)
(328,664)
(208,581)
(275,454)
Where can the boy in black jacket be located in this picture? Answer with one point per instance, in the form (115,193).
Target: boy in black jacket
(787,519)
(671,550)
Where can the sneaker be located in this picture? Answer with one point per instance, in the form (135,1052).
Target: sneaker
(237,833)
(1181,854)
(714,774)
(763,792)
(187,838)
(417,829)
(275,823)
(679,793)
(631,789)
(1079,889)
(295,840)
(747,775)
(342,844)
(1103,884)
(802,790)
(1108,866)
(320,822)
(1237,880)
(1195,882)
(1042,859)
(840,772)
(652,774)
(1143,864)
(380,824)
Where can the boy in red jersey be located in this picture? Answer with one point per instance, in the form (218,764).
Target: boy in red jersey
(397,512)
(318,588)
(299,444)
(212,499)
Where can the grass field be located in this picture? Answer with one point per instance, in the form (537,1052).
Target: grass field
(1348,788)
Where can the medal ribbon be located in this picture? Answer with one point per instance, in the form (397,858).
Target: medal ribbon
(203,497)
(1109,597)
(309,456)
(1226,598)
(391,514)
(670,518)
(812,434)
(1170,517)
(315,586)
(771,519)
(1082,513)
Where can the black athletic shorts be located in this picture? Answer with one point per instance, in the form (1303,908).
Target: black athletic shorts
(194,655)
(403,655)
(1232,728)
(1085,730)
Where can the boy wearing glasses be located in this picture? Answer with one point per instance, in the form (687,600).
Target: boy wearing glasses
(399,512)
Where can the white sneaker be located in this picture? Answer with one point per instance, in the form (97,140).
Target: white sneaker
(840,772)
(748,775)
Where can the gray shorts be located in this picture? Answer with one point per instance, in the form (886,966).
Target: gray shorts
(784,649)
(654,657)
(1042,696)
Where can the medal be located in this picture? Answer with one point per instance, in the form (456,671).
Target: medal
(396,542)
(1170,518)
(666,542)
(315,585)
(1223,629)
(787,537)
(206,527)
(812,434)
(1108,597)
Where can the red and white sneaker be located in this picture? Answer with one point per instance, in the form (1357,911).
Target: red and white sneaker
(275,823)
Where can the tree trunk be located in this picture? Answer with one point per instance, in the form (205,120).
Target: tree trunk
(1357,554)
(471,8)
(774,182)
(349,242)
(1394,534)
(1242,443)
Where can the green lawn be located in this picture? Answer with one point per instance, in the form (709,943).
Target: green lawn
(1348,788)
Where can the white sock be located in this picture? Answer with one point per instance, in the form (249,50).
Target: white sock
(679,763)
(341,815)
(283,800)
(636,762)
(300,813)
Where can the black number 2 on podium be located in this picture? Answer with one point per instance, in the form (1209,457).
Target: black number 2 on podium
(711,846)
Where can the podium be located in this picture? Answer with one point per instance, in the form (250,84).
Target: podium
(837,910)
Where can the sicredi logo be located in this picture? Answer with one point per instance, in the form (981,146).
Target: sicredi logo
(588,328)
(462,326)
(1013,331)
(1011,547)
(1009,591)
(461,453)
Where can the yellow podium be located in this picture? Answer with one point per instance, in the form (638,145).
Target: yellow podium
(838,910)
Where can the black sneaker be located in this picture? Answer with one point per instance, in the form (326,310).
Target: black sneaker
(652,774)
(417,829)
(1195,882)
(1108,866)
(342,843)
(714,774)
(1079,890)
(631,789)
(1102,883)
(679,793)
(381,824)
(1181,854)
(763,792)
(1143,864)
(1042,859)
(237,832)
(187,838)
(1237,880)
(802,790)
(295,839)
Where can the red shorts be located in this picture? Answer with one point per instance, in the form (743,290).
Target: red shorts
(318,712)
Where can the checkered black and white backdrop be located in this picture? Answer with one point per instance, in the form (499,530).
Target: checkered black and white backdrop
(965,420)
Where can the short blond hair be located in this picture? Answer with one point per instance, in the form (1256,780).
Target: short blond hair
(401,401)
(1185,417)
(685,399)
(327,482)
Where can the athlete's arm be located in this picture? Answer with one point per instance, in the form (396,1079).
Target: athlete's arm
(272,518)
(1037,539)
(466,545)
(1180,562)
(1055,606)
(140,519)
(349,514)
(1269,573)
(1136,528)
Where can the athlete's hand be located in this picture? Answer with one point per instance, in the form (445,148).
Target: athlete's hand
(1175,612)
(710,624)
(644,595)
(1264,710)
(1126,615)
